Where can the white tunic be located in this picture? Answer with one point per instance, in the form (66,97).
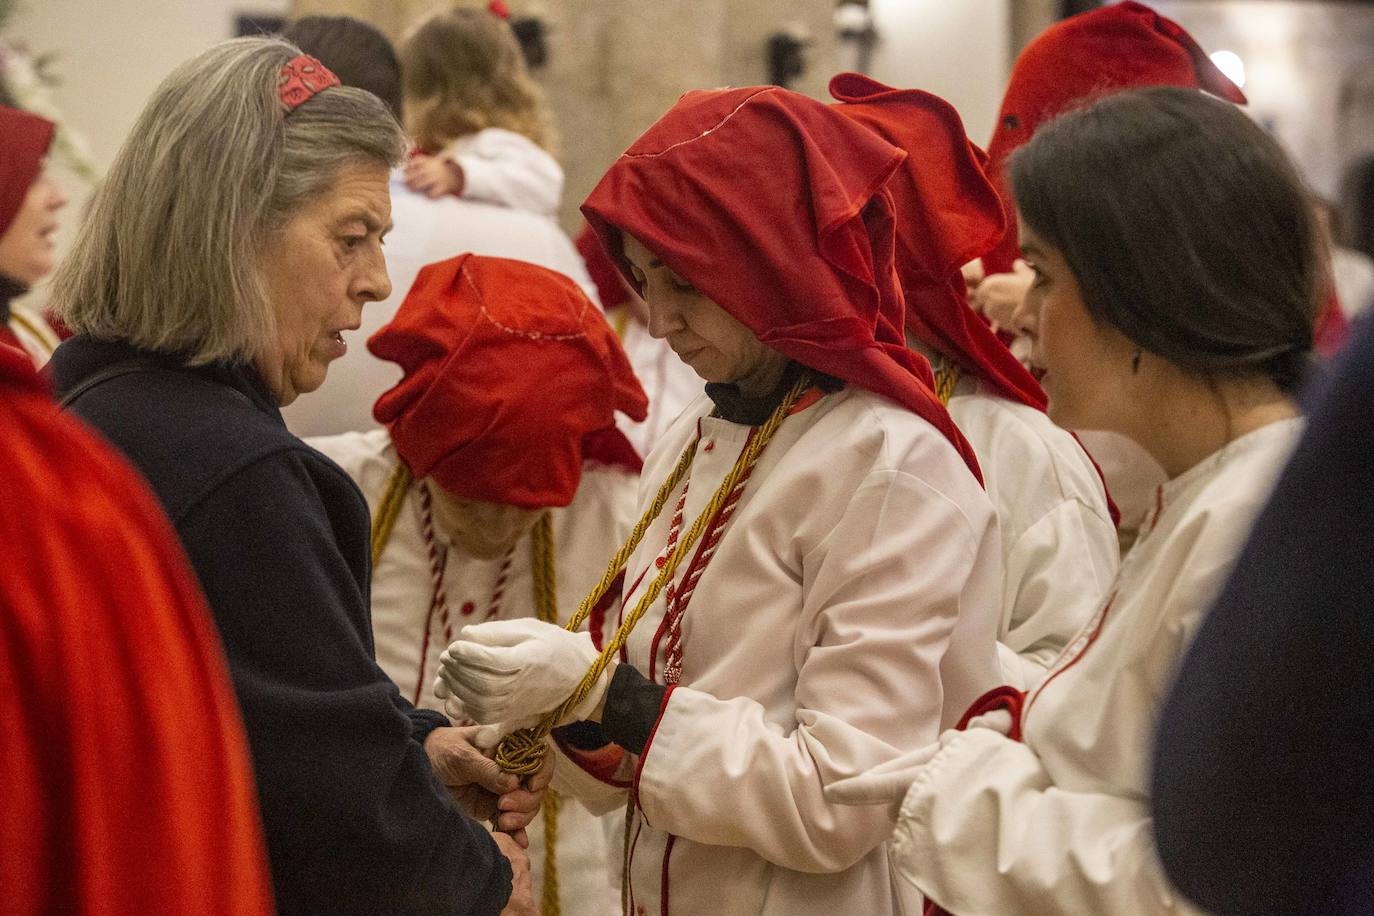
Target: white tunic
(586,534)
(849,609)
(1059,546)
(1060,823)
(426,231)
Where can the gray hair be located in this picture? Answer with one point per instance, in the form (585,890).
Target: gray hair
(168,257)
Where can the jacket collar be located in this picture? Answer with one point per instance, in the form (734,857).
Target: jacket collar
(82,356)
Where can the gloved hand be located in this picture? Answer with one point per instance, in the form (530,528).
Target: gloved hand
(515,671)
(887,783)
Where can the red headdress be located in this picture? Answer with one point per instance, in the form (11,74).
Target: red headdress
(773,207)
(24,141)
(512,379)
(948,213)
(301,79)
(1117,47)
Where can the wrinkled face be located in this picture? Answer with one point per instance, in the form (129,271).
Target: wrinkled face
(1087,368)
(701,333)
(320,270)
(480,529)
(26,248)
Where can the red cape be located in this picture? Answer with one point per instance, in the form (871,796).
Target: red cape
(127,784)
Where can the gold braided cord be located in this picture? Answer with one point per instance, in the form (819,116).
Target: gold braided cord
(522,752)
(946,378)
(393,497)
(622,556)
(546,607)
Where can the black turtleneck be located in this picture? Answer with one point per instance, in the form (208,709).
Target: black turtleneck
(753,411)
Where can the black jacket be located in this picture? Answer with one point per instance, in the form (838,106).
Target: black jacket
(354,818)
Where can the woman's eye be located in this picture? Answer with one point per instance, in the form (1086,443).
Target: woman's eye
(681,286)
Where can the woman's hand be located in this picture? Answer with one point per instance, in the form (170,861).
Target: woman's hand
(434,176)
(521,902)
(516,671)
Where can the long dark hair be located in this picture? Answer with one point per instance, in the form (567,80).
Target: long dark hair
(1186,227)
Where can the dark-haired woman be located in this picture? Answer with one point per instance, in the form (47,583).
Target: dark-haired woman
(1173,302)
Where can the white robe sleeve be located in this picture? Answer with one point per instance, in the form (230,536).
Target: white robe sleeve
(505,168)
(1056,572)
(982,831)
(880,594)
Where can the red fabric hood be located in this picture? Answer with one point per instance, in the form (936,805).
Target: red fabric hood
(24,141)
(948,213)
(512,380)
(1122,46)
(772,205)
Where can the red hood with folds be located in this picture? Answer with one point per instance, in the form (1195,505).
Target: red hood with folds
(773,206)
(512,380)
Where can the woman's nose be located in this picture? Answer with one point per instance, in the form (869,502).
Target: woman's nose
(663,318)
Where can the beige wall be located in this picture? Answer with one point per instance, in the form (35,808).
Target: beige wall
(616,65)
(1303,59)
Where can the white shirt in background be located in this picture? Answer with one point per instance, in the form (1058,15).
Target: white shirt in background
(586,533)
(509,169)
(1353,274)
(1061,823)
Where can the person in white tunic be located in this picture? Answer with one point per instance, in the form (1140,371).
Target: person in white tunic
(1174,301)
(801,618)
(1115,47)
(497,489)
(1059,546)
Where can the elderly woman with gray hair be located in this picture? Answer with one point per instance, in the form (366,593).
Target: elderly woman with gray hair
(234,243)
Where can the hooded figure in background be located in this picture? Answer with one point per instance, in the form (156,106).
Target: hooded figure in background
(29,203)
(1059,546)
(498,488)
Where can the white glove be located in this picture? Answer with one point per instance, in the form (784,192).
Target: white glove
(887,783)
(515,671)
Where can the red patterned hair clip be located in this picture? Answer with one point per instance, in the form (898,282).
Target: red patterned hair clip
(300,79)
(499,9)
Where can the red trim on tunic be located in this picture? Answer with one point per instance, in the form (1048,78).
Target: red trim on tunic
(602,763)
(1092,638)
(639,767)
(663,879)
(1003,697)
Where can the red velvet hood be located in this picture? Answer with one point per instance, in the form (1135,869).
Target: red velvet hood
(773,206)
(512,380)
(1121,46)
